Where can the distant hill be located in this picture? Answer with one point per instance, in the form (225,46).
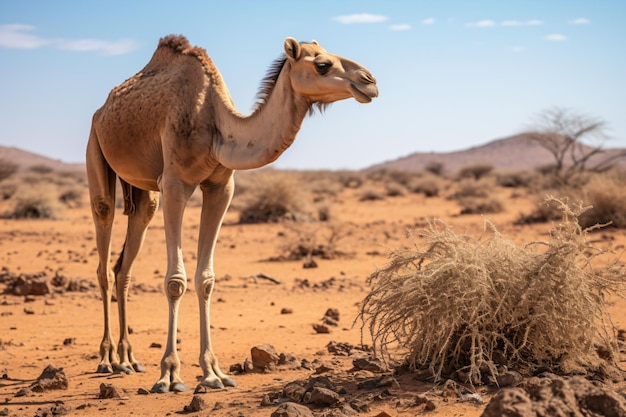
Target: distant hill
(517,152)
(25,160)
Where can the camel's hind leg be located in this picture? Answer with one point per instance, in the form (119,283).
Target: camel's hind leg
(140,206)
(102,197)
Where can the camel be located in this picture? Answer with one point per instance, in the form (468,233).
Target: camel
(171,128)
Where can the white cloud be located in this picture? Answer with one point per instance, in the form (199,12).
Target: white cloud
(533,22)
(428,21)
(22,37)
(360,18)
(400,26)
(481,24)
(580,21)
(556,37)
(120,47)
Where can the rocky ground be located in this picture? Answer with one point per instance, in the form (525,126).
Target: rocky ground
(287,330)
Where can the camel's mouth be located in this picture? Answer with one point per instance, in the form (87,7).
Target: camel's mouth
(364,93)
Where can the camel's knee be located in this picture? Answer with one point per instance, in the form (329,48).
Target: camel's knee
(103,210)
(176,287)
(206,287)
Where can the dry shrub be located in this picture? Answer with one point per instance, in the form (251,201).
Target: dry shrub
(607,197)
(475,171)
(36,202)
(436,168)
(481,205)
(278,198)
(371,194)
(462,304)
(473,188)
(308,240)
(430,185)
(515,179)
(7,169)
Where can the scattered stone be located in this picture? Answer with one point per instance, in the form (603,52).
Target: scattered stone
(422,400)
(155,345)
(541,396)
(383,414)
(264,356)
(287,359)
(111,391)
(50,379)
(55,410)
(339,348)
(143,391)
(286,311)
(321,328)
(509,379)
(332,313)
(197,404)
(69,341)
(23,284)
(320,396)
(248,366)
(4,412)
(473,398)
(29,310)
(294,391)
(309,264)
(369,364)
(290,409)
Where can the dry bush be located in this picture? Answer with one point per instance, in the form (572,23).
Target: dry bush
(8,189)
(351,179)
(515,179)
(36,202)
(481,205)
(308,240)
(435,168)
(278,198)
(40,169)
(7,169)
(606,195)
(476,171)
(430,185)
(394,190)
(462,305)
(473,188)
(371,194)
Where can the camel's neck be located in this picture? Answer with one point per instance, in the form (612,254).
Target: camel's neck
(253,141)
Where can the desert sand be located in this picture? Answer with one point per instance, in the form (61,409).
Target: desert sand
(64,328)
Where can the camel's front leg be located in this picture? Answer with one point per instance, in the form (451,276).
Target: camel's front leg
(175,196)
(216,198)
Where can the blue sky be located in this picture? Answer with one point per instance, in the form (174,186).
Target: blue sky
(451,74)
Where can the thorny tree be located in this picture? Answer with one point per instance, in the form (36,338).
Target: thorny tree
(575,141)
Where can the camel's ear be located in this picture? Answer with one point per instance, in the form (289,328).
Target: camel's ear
(292,49)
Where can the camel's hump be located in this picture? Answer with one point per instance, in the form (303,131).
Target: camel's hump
(178,43)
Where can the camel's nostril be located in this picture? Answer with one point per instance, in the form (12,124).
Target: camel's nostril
(366,77)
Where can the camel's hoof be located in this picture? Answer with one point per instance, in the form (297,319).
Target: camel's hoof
(104,369)
(178,387)
(160,388)
(119,368)
(139,367)
(215,383)
(229,382)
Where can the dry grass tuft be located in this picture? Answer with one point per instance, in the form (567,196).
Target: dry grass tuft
(278,198)
(38,202)
(462,304)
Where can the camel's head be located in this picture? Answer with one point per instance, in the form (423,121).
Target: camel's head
(324,78)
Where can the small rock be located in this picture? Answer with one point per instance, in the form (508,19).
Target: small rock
(69,341)
(321,328)
(369,364)
(155,345)
(321,397)
(286,311)
(111,391)
(197,404)
(264,356)
(509,379)
(290,409)
(143,391)
(333,313)
(473,398)
(50,379)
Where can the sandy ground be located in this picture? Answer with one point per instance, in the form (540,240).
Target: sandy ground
(65,329)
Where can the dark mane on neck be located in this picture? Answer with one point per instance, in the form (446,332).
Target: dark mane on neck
(269,81)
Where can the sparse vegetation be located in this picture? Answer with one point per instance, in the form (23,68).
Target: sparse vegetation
(462,304)
(7,169)
(276,199)
(476,171)
(39,202)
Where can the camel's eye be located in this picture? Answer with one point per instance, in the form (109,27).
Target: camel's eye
(323,67)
